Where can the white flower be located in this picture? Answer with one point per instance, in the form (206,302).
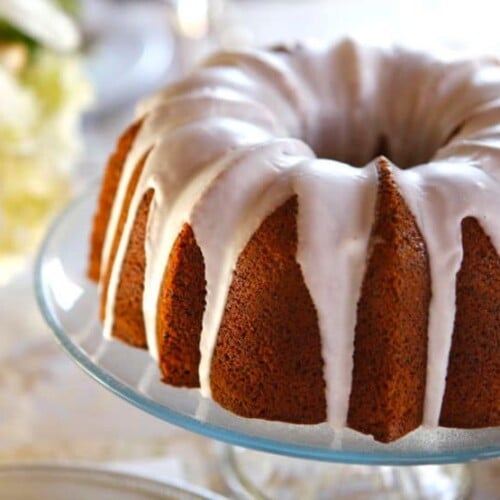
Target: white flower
(43,21)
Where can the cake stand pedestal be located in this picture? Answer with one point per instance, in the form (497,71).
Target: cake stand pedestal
(255,475)
(69,303)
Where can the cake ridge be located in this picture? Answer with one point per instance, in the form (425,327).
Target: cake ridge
(439,215)
(223,234)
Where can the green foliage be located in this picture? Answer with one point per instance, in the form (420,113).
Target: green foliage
(9,33)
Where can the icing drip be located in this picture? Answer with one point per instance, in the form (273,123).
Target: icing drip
(222,234)
(334,278)
(431,193)
(225,151)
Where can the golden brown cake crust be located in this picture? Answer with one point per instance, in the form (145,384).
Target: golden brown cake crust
(472,396)
(106,272)
(109,186)
(180,311)
(128,324)
(267,361)
(390,348)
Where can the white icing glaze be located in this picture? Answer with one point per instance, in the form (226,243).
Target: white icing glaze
(216,140)
(325,189)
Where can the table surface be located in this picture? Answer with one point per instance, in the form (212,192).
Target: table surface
(44,398)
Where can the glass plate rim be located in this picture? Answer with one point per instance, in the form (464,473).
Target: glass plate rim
(108,475)
(209,430)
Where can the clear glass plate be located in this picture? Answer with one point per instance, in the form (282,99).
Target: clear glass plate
(57,482)
(69,303)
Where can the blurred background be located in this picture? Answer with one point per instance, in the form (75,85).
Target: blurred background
(71,72)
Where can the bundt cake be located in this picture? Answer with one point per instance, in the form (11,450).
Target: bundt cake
(301,289)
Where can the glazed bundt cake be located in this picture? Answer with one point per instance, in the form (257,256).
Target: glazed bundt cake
(301,289)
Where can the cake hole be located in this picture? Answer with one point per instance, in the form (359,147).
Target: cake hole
(382,148)
(358,151)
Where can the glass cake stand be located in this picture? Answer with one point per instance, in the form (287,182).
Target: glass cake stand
(69,303)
